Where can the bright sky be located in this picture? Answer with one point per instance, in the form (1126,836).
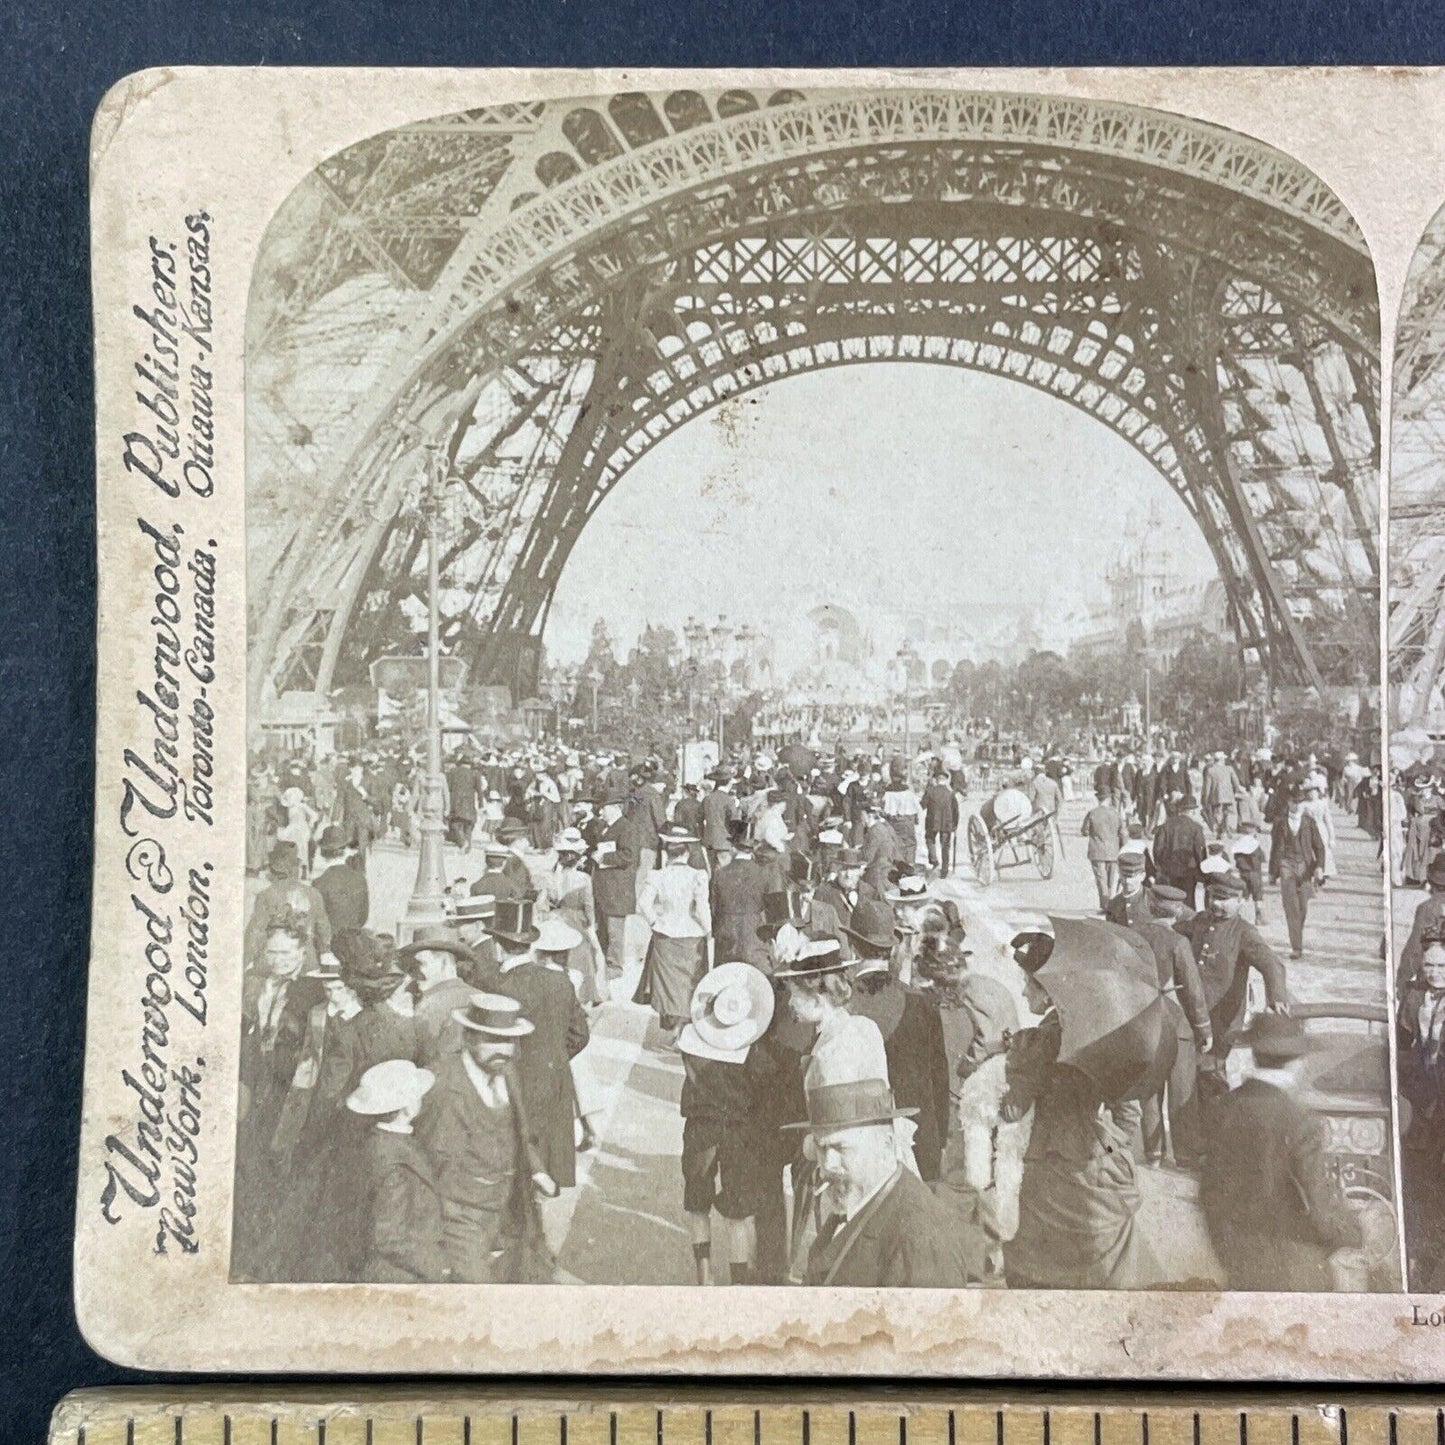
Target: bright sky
(887,488)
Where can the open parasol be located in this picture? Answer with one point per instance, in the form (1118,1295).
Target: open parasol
(799,761)
(1117,1030)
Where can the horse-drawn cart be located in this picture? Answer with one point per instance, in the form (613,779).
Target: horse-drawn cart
(1009,832)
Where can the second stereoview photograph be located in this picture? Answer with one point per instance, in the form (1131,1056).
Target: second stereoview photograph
(813,705)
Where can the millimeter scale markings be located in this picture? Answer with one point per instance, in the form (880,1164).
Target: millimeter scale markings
(781,1416)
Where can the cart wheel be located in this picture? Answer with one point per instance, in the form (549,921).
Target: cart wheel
(1043,848)
(980,850)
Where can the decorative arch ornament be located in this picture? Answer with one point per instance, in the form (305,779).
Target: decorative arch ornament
(1204,296)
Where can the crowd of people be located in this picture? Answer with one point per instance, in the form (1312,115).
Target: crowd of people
(1418,861)
(863,1104)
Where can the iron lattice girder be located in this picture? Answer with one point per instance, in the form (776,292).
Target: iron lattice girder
(634,413)
(1317,270)
(675,385)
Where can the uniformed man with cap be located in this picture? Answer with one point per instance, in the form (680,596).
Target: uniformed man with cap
(1226,948)
(1184,993)
(1129,906)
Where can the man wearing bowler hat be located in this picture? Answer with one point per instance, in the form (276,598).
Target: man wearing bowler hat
(1277,1214)
(885,1227)
(341,885)
(1184,994)
(473,1127)
(434,960)
(735,895)
(719,813)
(912,1032)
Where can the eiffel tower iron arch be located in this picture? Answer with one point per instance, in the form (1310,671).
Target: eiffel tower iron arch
(1211,327)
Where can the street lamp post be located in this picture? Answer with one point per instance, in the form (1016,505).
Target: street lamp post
(905,657)
(595,678)
(428,895)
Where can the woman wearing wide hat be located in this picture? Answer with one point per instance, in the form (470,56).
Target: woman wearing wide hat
(727,1136)
(674,902)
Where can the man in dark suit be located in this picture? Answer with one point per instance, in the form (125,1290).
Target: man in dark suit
(499,879)
(465,790)
(719,809)
(341,885)
(839,890)
(614,880)
(559,1031)
(887,1227)
(1275,1210)
(358,818)
(1174,778)
(912,1033)
(881,847)
(276,1006)
(473,1127)
(735,896)
(940,821)
(1179,848)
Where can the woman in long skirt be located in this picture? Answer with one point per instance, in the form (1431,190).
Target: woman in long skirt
(673,900)
(1079,1199)
(569,891)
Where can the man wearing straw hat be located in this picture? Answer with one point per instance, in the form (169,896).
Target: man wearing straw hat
(886,1228)
(728,1135)
(474,1129)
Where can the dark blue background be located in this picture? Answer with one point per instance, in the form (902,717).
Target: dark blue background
(59,59)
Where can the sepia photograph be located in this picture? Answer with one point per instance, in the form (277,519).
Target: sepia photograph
(812,704)
(743,724)
(1417,749)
